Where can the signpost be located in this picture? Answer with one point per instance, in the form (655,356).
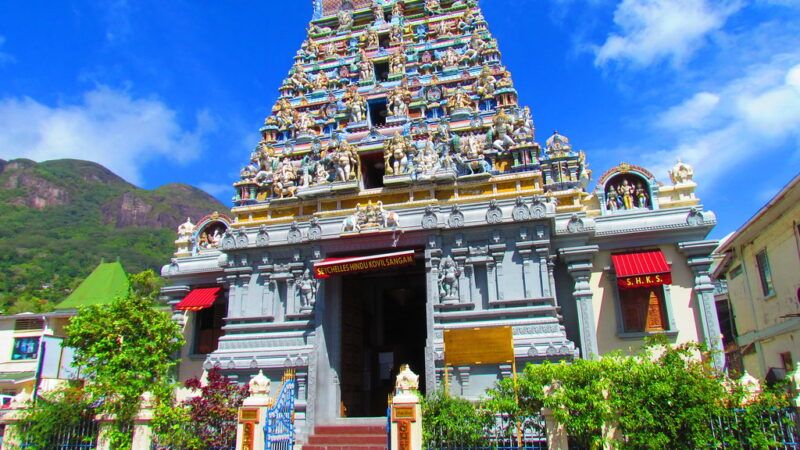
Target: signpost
(481,346)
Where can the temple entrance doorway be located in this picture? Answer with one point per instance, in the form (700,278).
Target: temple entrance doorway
(383,327)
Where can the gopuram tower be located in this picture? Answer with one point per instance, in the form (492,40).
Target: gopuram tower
(398,192)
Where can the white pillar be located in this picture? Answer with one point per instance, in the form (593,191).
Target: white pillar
(253,415)
(406,412)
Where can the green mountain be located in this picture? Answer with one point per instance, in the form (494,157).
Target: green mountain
(59,219)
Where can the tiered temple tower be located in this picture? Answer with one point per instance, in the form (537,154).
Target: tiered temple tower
(398,192)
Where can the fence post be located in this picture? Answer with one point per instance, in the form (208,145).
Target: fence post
(406,420)
(105,423)
(253,414)
(142,432)
(557,438)
(794,383)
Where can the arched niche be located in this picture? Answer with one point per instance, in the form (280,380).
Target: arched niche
(209,232)
(627,189)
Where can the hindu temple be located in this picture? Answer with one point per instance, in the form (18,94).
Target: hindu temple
(399,191)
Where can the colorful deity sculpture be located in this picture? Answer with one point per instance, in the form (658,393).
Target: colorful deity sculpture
(449,273)
(486,84)
(397,63)
(371,39)
(345,161)
(396,35)
(345,20)
(460,99)
(475,49)
(298,80)
(366,70)
(285,114)
(307,288)
(399,99)
(501,132)
(450,57)
(398,153)
(285,181)
(379,13)
(443,29)
(304,123)
(356,106)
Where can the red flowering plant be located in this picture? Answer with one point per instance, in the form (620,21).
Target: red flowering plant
(206,421)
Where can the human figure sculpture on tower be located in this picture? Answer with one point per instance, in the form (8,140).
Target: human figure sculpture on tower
(345,160)
(396,35)
(345,20)
(398,101)
(450,57)
(397,63)
(460,99)
(304,123)
(366,70)
(285,115)
(356,106)
(299,80)
(500,133)
(485,85)
(285,179)
(307,286)
(449,274)
(397,154)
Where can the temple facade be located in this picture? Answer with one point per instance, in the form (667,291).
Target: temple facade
(399,191)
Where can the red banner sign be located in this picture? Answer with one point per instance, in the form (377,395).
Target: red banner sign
(346,266)
(644,281)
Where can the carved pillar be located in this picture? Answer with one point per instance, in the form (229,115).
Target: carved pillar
(543,251)
(302,383)
(579,265)
(463,378)
(498,252)
(491,279)
(469,272)
(698,257)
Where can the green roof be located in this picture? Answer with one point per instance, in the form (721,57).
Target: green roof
(107,282)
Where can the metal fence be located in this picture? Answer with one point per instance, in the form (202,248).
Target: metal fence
(80,436)
(504,434)
(780,427)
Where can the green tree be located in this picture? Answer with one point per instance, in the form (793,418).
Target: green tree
(56,414)
(125,349)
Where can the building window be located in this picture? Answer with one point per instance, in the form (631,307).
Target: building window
(643,310)
(208,328)
(787,361)
(765,273)
(25,348)
(29,324)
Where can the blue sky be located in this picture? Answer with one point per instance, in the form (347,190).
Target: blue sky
(175,91)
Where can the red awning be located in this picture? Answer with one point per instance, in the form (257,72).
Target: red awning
(343,266)
(199,299)
(641,269)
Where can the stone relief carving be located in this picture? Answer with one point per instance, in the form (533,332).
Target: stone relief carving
(429,219)
(371,217)
(520,211)
(294,236)
(576,225)
(449,272)
(241,239)
(315,230)
(262,238)
(307,289)
(456,219)
(228,240)
(695,217)
(495,214)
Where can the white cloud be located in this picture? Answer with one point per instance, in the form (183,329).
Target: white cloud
(5,57)
(655,30)
(754,116)
(108,126)
(690,113)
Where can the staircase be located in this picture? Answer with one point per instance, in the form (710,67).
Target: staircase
(358,436)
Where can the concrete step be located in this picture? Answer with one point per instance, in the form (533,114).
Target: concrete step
(341,439)
(348,435)
(344,447)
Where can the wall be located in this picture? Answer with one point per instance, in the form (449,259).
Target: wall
(682,302)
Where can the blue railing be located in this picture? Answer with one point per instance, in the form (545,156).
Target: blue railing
(279,432)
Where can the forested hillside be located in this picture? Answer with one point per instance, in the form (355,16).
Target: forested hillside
(59,219)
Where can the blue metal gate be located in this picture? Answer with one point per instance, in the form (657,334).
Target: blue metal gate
(279,430)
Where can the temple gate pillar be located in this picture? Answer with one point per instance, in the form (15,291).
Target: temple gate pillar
(698,257)
(406,420)
(253,414)
(579,265)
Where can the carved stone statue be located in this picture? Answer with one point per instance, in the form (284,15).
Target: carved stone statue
(371,39)
(356,107)
(450,57)
(397,63)
(322,81)
(397,154)
(345,161)
(460,99)
(260,385)
(284,184)
(379,13)
(449,274)
(396,35)
(366,70)
(443,29)
(407,381)
(304,123)
(486,84)
(345,20)
(307,287)
(427,160)
(399,99)
(331,51)
(433,7)
(500,135)
(682,173)
(299,80)
(285,114)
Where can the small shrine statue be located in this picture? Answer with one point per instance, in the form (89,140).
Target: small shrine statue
(443,29)
(331,51)
(397,154)
(397,63)
(345,20)
(485,85)
(371,39)
(524,129)
(450,58)
(345,161)
(399,99)
(316,30)
(398,11)
(307,288)
(500,134)
(299,80)
(356,107)
(627,192)
(505,81)
(379,13)
(321,175)
(612,199)
(309,50)
(467,23)
(322,81)
(304,123)
(460,99)
(260,386)
(428,159)
(475,50)
(396,35)
(433,7)
(185,230)
(449,274)
(407,382)
(642,199)
(366,70)
(285,115)
(284,184)
(682,173)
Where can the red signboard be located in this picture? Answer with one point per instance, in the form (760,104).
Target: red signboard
(345,266)
(644,281)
